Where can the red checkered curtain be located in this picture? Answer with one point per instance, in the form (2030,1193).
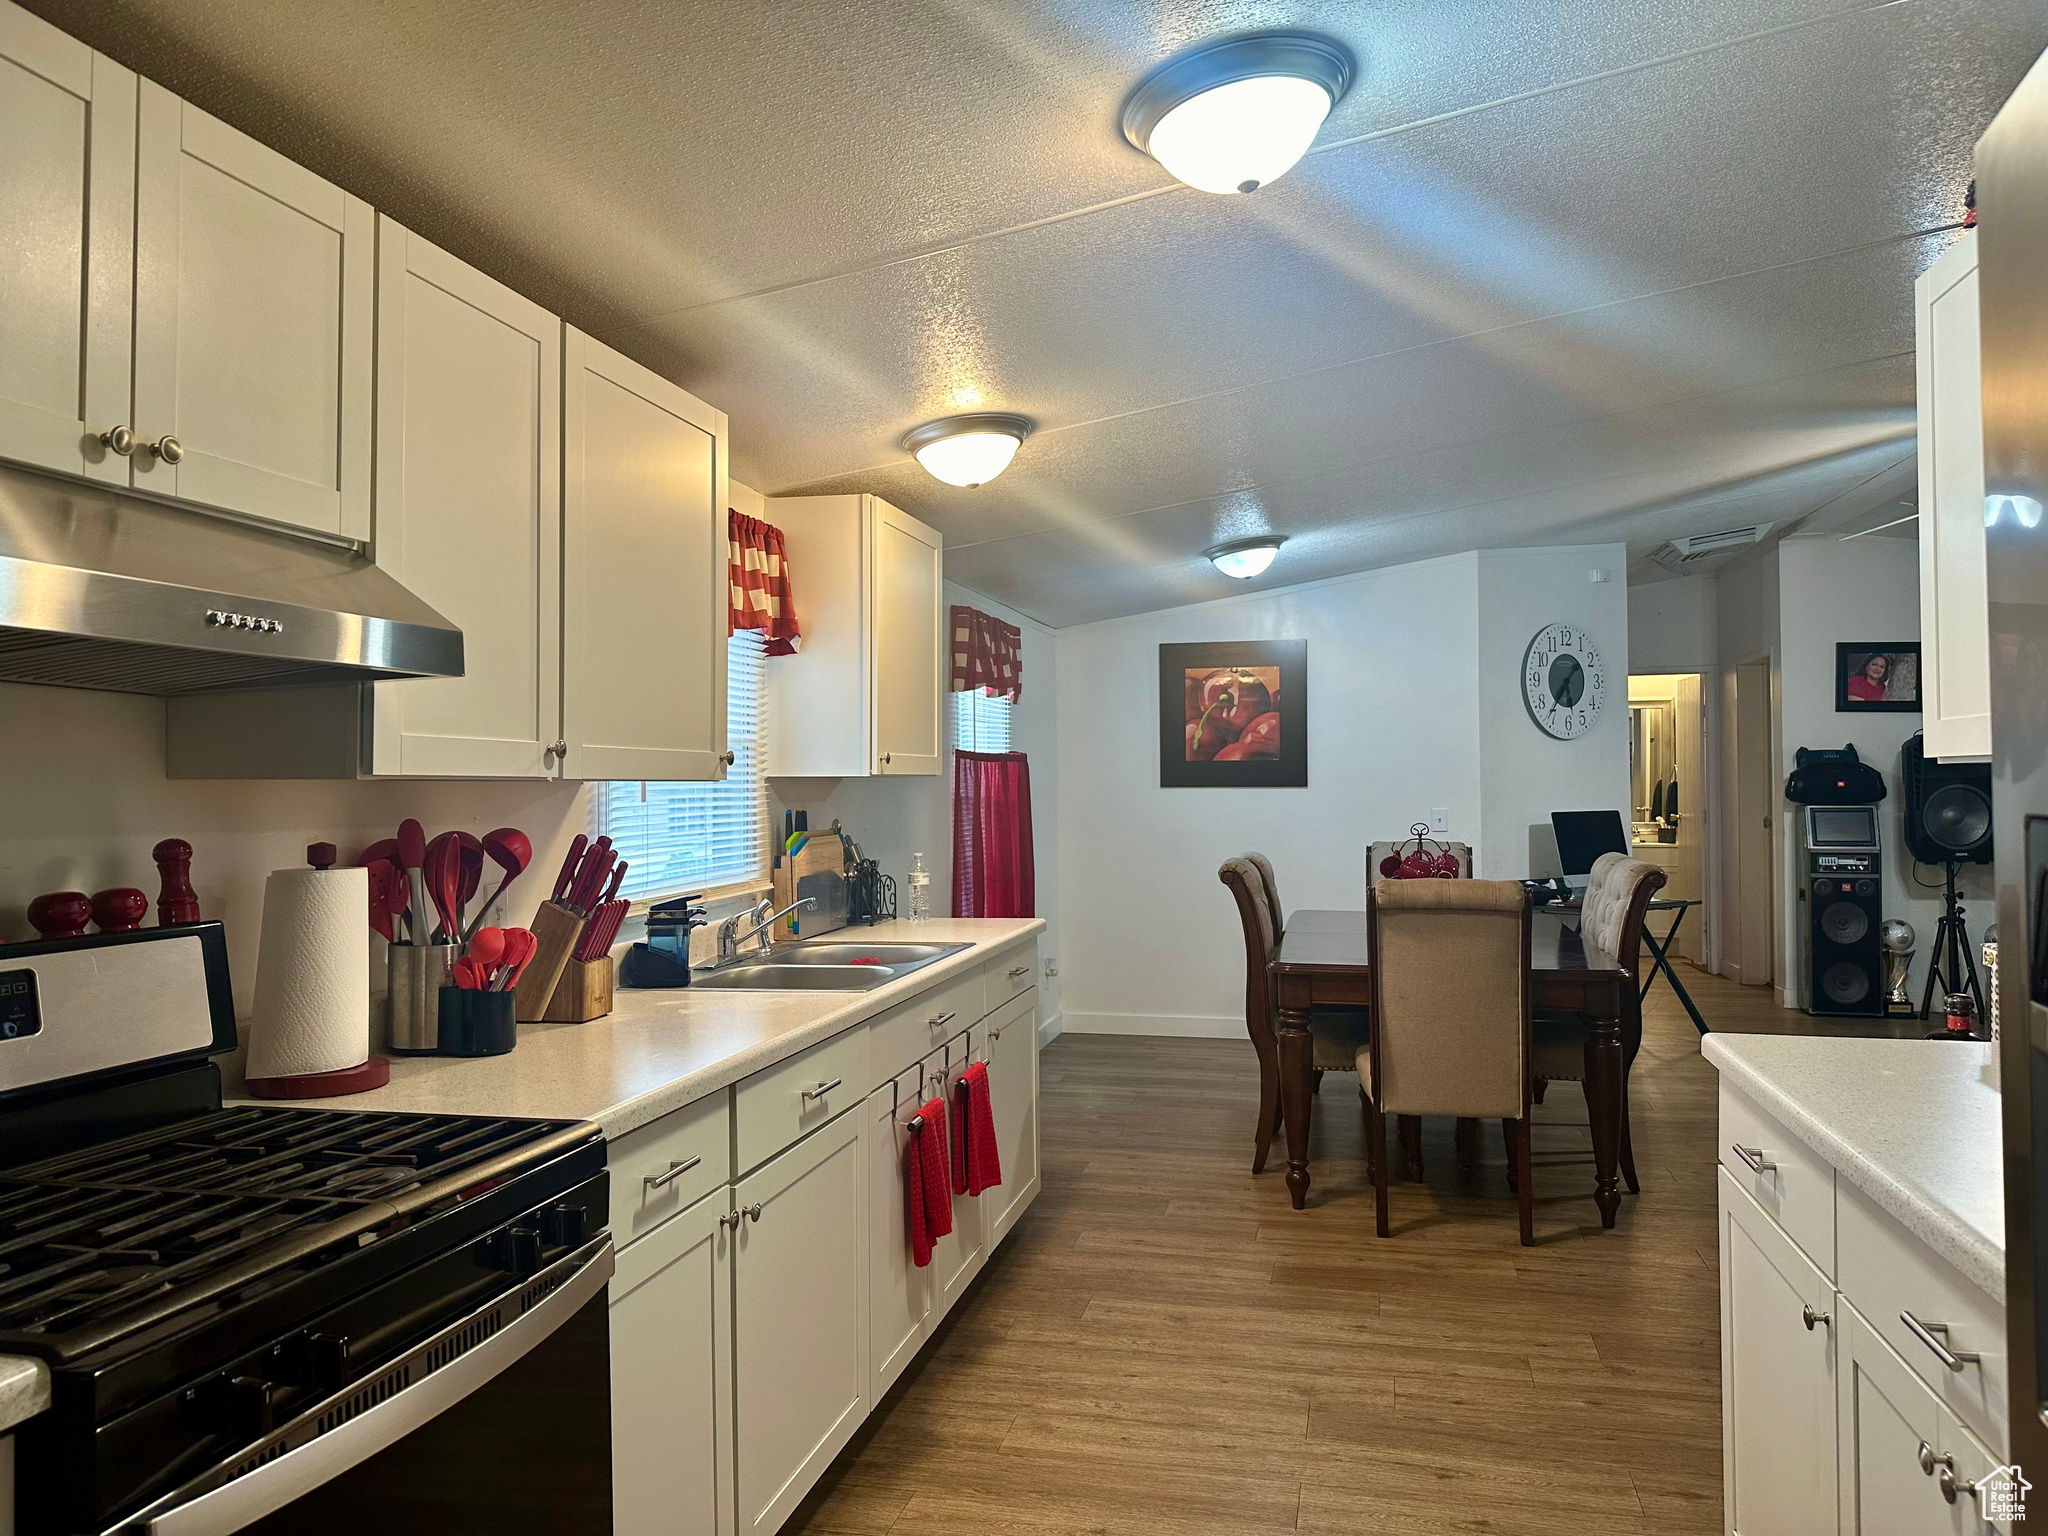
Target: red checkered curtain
(758,581)
(987,654)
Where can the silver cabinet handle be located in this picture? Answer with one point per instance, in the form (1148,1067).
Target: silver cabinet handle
(118,440)
(822,1089)
(675,1171)
(886,756)
(1950,1486)
(940,1021)
(1930,1458)
(1954,1359)
(1022,970)
(753,1212)
(168,448)
(1753,1158)
(1809,1317)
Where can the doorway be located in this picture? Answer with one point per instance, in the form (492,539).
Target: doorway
(1748,706)
(1668,817)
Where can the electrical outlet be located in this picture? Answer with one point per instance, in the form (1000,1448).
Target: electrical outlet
(1440,820)
(1052,966)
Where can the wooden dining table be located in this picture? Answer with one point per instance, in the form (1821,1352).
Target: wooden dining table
(1322,960)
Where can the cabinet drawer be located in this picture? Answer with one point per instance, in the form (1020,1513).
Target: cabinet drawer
(661,1169)
(911,1031)
(1792,1182)
(772,1109)
(1007,976)
(1889,1273)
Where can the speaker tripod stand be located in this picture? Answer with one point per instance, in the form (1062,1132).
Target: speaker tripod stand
(1949,960)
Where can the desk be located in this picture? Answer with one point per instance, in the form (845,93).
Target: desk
(1322,960)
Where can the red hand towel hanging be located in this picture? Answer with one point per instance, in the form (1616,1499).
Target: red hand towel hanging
(960,1120)
(913,1182)
(938,1200)
(984,1162)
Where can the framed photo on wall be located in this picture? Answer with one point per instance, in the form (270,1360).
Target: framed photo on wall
(1234,714)
(1873,677)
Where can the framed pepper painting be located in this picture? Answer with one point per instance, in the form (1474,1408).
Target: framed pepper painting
(1234,714)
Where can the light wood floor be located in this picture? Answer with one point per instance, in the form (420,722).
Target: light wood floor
(1164,1346)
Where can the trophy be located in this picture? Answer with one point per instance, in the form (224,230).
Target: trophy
(1896,935)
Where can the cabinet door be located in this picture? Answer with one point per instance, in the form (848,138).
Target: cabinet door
(1955,639)
(1887,1415)
(908,574)
(1777,1377)
(67,223)
(957,1257)
(899,1291)
(671,1321)
(645,573)
(1013,1095)
(799,1319)
(469,479)
(254,298)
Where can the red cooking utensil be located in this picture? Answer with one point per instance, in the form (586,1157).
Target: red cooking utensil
(512,850)
(569,866)
(412,858)
(397,899)
(472,877)
(380,898)
(487,946)
(470,976)
(443,875)
(520,948)
(383,851)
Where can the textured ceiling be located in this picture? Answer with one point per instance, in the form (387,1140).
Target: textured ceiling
(1589,270)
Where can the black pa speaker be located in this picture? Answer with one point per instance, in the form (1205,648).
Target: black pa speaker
(1845,960)
(1948,808)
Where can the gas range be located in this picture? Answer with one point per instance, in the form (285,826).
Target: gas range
(234,1300)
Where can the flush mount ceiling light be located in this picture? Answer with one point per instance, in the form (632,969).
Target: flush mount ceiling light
(1245,558)
(968,450)
(1235,115)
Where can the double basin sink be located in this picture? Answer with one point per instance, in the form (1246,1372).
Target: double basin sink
(823,966)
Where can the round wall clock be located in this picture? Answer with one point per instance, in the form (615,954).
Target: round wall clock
(1563,681)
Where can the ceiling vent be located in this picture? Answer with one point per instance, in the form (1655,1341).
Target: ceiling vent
(1689,554)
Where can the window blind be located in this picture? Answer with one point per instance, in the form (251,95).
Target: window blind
(980,723)
(693,837)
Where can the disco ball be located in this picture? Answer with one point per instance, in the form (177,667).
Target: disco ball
(1896,934)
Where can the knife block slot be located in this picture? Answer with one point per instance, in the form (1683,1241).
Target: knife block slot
(584,992)
(555,931)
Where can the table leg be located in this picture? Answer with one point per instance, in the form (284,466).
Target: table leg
(1661,961)
(1297,1093)
(1604,1068)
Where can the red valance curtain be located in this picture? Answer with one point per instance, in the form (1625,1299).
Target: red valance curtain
(758,582)
(993,874)
(987,654)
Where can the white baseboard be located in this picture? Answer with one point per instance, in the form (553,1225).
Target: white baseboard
(1048,1031)
(1174,1025)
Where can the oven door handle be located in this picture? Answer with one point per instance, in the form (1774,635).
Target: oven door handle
(269,1487)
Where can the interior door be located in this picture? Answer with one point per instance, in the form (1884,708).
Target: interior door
(909,591)
(799,1319)
(899,1291)
(469,512)
(67,217)
(1012,1056)
(1886,1416)
(1777,1377)
(644,603)
(254,321)
(671,1343)
(1755,879)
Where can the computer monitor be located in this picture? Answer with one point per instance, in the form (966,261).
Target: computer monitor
(1582,836)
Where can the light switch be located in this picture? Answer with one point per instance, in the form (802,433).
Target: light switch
(1440,820)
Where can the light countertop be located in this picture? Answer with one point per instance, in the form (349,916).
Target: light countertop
(1911,1123)
(657,1051)
(24,1390)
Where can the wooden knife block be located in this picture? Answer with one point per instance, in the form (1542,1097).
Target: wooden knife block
(584,992)
(555,930)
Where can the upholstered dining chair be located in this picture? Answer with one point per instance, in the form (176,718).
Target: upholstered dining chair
(1617,901)
(1335,1032)
(1451,1017)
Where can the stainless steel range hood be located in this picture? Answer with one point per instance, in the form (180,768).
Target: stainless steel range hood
(99,589)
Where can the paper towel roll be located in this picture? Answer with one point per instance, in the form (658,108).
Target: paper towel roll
(312,974)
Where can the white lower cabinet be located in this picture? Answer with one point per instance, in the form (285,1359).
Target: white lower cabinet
(957,1257)
(1777,1377)
(799,1319)
(671,1328)
(1012,1056)
(1907,1465)
(899,1290)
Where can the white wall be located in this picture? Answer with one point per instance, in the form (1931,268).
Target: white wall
(1410,691)
(1673,626)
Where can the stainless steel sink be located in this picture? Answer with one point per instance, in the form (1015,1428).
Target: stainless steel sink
(824,967)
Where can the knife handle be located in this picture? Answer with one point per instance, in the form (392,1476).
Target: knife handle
(569,867)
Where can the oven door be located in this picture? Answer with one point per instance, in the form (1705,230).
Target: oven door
(499,1422)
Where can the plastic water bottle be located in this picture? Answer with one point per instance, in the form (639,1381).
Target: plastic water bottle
(920,889)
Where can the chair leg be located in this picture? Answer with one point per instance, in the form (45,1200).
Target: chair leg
(1525,1189)
(1468,1143)
(1376,1136)
(1536,1088)
(1628,1151)
(1269,1109)
(1507,1140)
(1411,1145)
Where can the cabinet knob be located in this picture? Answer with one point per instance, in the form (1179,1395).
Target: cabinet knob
(753,1213)
(1931,1458)
(558,750)
(168,448)
(118,440)
(726,758)
(1809,1316)
(1951,1485)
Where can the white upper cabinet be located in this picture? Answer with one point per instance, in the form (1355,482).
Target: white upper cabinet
(254,296)
(1955,637)
(644,594)
(67,227)
(469,462)
(862,697)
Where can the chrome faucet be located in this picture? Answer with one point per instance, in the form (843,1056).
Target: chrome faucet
(730,938)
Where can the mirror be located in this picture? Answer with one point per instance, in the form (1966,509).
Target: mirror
(1653,759)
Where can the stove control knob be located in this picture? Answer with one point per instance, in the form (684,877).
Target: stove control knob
(522,1251)
(561,1226)
(327,1362)
(250,1408)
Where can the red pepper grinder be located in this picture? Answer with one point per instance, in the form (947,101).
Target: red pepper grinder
(60,914)
(120,910)
(176,902)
